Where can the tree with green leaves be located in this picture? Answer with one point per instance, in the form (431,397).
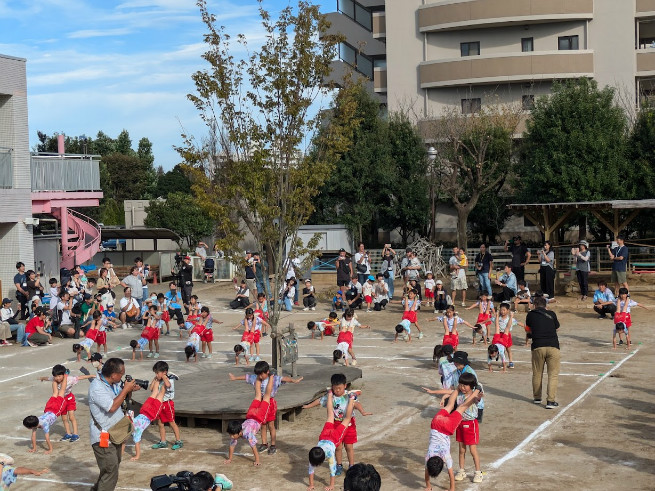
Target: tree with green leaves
(173,181)
(473,155)
(574,147)
(251,171)
(180,213)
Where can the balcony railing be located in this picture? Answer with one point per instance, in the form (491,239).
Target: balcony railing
(6,169)
(52,172)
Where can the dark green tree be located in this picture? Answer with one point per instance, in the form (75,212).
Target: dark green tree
(173,181)
(124,143)
(181,214)
(574,147)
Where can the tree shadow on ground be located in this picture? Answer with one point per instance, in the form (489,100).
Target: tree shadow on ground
(632,404)
(584,339)
(615,455)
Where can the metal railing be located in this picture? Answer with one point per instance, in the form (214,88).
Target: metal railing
(51,172)
(6,169)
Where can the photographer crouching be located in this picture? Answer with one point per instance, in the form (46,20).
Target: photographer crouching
(187,481)
(109,425)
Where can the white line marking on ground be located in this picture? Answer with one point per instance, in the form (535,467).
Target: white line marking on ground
(75,483)
(537,432)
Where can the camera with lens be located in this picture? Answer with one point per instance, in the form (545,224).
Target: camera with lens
(184,480)
(141,383)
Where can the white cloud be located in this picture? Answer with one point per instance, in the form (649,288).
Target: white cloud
(94,33)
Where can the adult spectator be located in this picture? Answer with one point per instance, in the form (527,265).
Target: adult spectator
(619,256)
(362,263)
(88,307)
(242,299)
(547,269)
(411,268)
(545,350)
(291,266)
(354,294)
(134,281)
(112,277)
(20,282)
(7,315)
(604,301)
(458,275)
(582,267)
(251,277)
(34,288)
(103,280)
(388,269)
(35,329)
(362,477)
(509,285)
(201,251)
(174,302)
(344,269)
(484,264)
(259,274)
(520,256)
(65,314)
(380,293)
(106,396)
(186,273)
(144,271)
(129,308)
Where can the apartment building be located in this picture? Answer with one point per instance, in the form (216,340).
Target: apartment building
(432,55)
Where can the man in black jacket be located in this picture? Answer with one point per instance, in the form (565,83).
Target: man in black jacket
(186,273)
(545,350)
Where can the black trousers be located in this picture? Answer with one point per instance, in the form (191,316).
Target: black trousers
(519,272)
(187,291)
(177,313)
(606,309)
(309,301)
(583,281)
(547,280)
(503,296)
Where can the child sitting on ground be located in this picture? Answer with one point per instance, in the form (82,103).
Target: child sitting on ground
(59,372)
(338,302)
(330,438)
(147,414)
(441,298)
(167,413)
(340,399)
(523,296)
(243,348)
(443,425)
(255,417)
(53,409)
(262,373)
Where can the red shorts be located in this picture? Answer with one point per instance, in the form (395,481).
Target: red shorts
(623,317)
(165,316)
(333,432)
(345,337)
(328,330)
(368,299)
(445,422)
(272,411)
(207,336)
(193,318)
(92,334)
(484,319)
(451,339)
(70,404)
(55,405)
(429,294)
(504,338)
(410,315)
(248,337)
(258,411)
(468,432)
(153,333)
(261,314)
(350,435)
(256,336)
(151,408)
(101,338)
(167,413)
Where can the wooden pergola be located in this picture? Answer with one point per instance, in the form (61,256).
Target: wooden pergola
(615,215)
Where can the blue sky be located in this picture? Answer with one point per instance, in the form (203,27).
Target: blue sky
(112,65)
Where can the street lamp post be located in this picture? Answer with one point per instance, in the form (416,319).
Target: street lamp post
(432,157)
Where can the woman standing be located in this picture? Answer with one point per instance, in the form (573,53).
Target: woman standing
(388,255)
(582,266)
(362,263)
(547,270)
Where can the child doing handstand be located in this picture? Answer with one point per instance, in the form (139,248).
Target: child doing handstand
(140,344)
(623,318)
(167,413)
(253,330)
(505,321)
(192,347)
(404,329)
(53,409)
(412,305)
(148,413)
(486,311)
(257,415)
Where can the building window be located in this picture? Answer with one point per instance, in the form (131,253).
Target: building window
(358,61)
(527,44)
(356,12)
(470,49)
(527,102)
(567,42)
(470,106)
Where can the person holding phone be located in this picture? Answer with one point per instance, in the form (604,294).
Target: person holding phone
(619,256)
(388,256)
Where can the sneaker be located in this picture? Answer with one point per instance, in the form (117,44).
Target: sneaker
(66,437)
(339,470)
(262,447)
(223,481)
(354,363)
(167,334)
(551,405)
(511,364)
(368,310)
(312,308)
(208,356)
(306,308)
(620,342)
(150,355)
(74,438)
(478,476)
(84,371)
(272,450)
(602,316)
(463,304)
(160,445)
(420,335)
(31,345)
(461,475)
(203,355)
(536,401)
(177,445)
(156,355)
(124,326)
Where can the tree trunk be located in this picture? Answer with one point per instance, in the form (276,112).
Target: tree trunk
(462,222)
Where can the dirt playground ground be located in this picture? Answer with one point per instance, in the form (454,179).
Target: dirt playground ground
(600,438)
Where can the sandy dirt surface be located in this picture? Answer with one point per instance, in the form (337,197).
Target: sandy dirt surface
(601,437)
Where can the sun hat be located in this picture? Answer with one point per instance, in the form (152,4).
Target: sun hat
(439,282)
(371,277)
(584,243)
